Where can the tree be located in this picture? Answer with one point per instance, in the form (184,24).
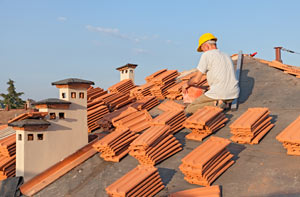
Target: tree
(12,99)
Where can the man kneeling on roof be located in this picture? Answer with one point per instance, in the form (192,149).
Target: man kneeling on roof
(220,75)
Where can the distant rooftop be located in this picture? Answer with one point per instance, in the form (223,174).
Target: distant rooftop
(70,81)
(127,66)
(29,122)
(50,101)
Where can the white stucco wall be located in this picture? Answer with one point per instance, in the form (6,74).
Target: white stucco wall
(128,75)
(62,138)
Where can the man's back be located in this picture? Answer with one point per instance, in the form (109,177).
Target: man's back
(220,75)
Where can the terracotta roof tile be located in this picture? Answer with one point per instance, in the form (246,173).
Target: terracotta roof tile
(7,167)
(174,119)
(212,191)
(170,106)
(157,73)
(208,161)
(290,137)
(8,146)
(123,86)
(251,126)
(141,181)
(204,122)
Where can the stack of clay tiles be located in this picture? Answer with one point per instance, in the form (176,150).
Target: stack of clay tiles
(134,120)
(207,162)
(251,126)
(203,83)
(146,103)
(288,69)
(204,122)
(93,93)
(212,191)
(154,145)
(8,157)
(141,181)
(162,82)
(141,91)
(290,138)
(7,167)
(175,92)
(123,86)
(114,146)
(172,116)
(94,114)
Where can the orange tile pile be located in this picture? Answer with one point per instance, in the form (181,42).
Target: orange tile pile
(114,146)
(204,122)
(174,119)
(207,162)
(133,119)
(141,181)
(170,105)
(154,145)
(212,191)
(8,146)
(203,83)
(290,138)
(93,93)
(292,70)
(141,91)
(175,92)
(152,76)
(94,114)
(161,92)
(123,86)
(7,167)
(148,102)
(251,126)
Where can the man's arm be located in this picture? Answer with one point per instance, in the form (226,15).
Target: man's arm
(193,81)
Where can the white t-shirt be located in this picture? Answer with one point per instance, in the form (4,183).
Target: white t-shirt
(220,75)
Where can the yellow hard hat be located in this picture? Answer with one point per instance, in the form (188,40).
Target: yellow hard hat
(205,37)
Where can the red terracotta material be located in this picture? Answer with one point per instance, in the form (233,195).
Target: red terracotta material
(170,106)
(93,93)
(148,102)
(8,146)
(141,91)
(212,191)
(251,126)
(50,175)
(7,167)
(152,76)
(192,94)
(161,91)
(141,181)
(136,121)
(207,162)
(114,146)
(123,86)
(165,77)
(174,119)
(204,122)
(154,145)
(29,115)
(290,138)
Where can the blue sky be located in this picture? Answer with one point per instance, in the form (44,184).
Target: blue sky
(46,41)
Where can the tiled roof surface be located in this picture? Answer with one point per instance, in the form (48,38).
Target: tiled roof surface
(290,138)
(123,86)
(7,131)
(29,122)
(7,167)
(141,181)
(8,146)
(28,115)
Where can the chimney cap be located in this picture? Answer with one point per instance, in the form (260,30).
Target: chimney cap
(127,66)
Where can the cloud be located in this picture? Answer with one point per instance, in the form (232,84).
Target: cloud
(62,19)
(115,32)
(140,51)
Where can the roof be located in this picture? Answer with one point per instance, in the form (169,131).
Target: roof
(5,132)
(52,101)
(70,81)
(257,167)
(127,66)
(29,122)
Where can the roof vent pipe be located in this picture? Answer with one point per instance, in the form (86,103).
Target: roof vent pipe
(278,54)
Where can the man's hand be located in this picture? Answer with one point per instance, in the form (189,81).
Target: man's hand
(184,88)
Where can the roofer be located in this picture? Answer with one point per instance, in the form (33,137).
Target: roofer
(220,75)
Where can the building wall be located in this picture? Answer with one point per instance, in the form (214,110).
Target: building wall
(62,138)
(127,74)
